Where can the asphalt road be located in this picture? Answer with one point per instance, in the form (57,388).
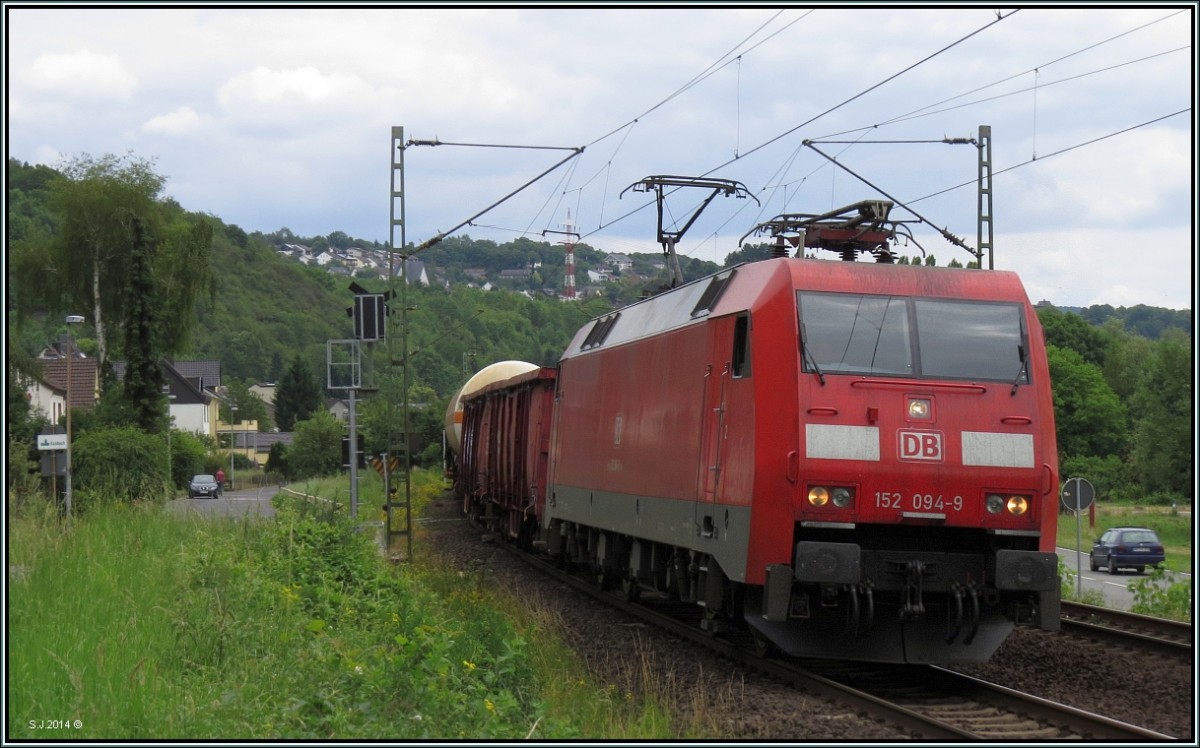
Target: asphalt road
(250,501)
(1114,588)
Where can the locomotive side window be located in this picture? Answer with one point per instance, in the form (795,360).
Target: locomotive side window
(970,340)
(913,337)
(857,334)
(741,347)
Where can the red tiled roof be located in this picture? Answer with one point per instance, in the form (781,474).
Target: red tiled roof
(84,379)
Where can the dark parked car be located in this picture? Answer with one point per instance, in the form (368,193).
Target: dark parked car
(1129,547)
(203,487)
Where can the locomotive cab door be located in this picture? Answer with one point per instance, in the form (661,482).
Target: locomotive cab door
(728,359)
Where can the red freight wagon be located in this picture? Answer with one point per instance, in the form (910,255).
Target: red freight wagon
(505,445)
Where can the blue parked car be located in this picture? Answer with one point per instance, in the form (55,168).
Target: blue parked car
(1128,547)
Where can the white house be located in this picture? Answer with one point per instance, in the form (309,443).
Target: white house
(47,398)
(619,262)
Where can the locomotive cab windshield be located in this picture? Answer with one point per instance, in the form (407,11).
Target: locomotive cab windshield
(924,338)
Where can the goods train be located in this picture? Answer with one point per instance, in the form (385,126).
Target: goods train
(846,460)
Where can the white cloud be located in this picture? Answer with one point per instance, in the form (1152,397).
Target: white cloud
(182,121)
(84,74)
(306,85)
(273,117)
(1121,267)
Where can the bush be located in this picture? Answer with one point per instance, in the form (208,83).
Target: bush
(1162,498)
(187,457)
(122,464)
(23,474)
(1152,596)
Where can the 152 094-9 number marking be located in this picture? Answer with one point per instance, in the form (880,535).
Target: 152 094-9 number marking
(921,502)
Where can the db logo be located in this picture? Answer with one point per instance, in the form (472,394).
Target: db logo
(921,445)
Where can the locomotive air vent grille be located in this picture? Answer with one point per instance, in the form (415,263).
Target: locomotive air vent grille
(709,298)
(600,331)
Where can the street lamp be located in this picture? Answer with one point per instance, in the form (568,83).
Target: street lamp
(72,319)
(166,388)
(232,442)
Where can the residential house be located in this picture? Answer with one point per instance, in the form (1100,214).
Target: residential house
(192,387)
(48,390)
(619,262)
(339,409)
(194,404)
(260,443)
(244,438)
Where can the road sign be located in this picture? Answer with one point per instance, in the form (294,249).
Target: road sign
(1078,494)
(52,441)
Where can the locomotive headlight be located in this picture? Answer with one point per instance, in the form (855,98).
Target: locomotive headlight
(918,409)
(1015,505)
(842,497)
(818,496)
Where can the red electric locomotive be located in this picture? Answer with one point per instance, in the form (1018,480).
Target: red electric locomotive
(854,460)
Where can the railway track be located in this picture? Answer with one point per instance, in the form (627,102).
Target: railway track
(925,702)
(958,705)
(1125,629)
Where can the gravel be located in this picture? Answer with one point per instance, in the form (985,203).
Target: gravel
(713,698)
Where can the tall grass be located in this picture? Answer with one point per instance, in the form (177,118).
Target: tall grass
(137,624)
(90,639)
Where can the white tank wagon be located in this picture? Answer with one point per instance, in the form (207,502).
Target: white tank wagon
(485,376)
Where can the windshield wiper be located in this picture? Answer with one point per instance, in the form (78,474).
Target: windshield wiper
(1021,371)
(804,352)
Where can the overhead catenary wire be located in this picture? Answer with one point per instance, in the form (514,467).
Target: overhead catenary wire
(742,48)
(1059,152)
(443,234)
(999,17)
(1027,71)
(710,70)
(997,97)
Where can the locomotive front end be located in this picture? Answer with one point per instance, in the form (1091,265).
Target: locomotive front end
(923,481)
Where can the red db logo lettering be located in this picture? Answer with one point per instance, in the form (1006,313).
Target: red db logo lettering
(921,445)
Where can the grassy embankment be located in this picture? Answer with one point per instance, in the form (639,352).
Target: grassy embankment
(137,623)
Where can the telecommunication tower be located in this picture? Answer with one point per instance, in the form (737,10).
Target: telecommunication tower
(569,272)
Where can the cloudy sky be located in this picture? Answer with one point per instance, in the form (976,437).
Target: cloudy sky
(271,118)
